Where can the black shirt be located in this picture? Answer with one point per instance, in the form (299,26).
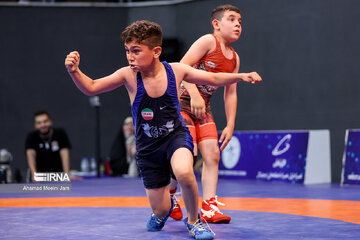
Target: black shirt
(48,150)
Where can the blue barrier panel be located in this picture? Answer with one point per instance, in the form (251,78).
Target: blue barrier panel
(351,163)
(269,156)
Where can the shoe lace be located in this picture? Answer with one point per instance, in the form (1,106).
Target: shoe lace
(213,205)
(176,200)
(157,219)
(200,226)
(217,202)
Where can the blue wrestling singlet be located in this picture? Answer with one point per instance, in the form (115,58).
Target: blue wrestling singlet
(159,131)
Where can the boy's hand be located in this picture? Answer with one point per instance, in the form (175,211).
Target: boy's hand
(225,137)
(72,61)
(197,106)
(252,77)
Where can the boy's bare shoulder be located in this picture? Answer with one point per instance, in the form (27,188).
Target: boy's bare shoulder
(125,72)
(125,75)
(205,44)
(207,39)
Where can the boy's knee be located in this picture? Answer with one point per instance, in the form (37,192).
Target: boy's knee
(212,156)
(185,177)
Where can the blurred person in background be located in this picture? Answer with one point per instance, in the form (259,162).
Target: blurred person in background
(47,148)
(123,151)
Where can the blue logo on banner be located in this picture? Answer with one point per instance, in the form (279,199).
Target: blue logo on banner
(351,168)
(269,156)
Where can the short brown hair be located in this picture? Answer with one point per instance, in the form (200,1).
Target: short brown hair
(218,12)
(143,32)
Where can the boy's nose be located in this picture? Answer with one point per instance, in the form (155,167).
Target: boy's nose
(130,57)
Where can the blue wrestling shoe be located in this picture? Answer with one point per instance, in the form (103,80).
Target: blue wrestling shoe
(156,224)
(198,230)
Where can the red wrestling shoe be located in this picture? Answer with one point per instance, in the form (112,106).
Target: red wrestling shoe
(176,213)
(210,212)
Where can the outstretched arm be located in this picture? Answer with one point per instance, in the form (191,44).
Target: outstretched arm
(87,85)
(196,76)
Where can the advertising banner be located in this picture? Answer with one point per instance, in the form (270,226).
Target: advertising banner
(351,163)
(269,156)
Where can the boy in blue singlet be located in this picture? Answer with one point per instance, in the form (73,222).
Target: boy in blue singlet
(162,140)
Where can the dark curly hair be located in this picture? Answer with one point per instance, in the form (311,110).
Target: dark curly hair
(143,32)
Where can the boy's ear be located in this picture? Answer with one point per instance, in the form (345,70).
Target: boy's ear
(157,51)
(215,24)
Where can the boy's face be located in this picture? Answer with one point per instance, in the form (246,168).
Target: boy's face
(140,56)
(230,25)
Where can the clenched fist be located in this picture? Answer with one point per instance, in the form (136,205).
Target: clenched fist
(72,61)
(252,77)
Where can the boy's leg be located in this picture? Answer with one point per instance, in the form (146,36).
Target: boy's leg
(190,124)
(161,205)
(209,148)
(210,152)
(159,199)
(173,182)
(182,165)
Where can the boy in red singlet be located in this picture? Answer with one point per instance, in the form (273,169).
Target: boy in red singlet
(212,53)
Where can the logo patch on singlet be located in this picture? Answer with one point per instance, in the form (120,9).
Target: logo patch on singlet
(155,132)
(211,64)
(147,114)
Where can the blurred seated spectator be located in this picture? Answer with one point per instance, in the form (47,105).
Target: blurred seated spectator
(47,148)
(123,151)
(5,169)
